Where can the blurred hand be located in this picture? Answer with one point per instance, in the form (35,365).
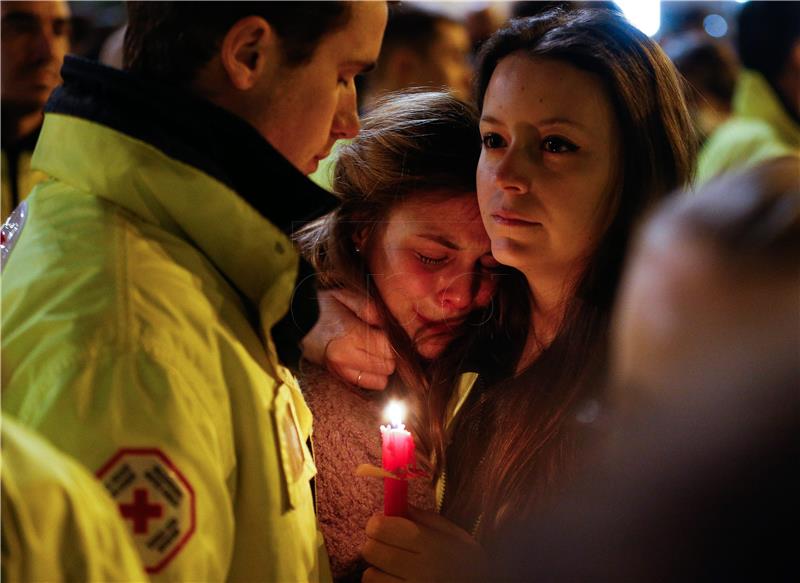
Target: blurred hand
(427,548)
(348,339)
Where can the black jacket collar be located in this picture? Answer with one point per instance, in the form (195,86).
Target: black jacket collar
(196,132)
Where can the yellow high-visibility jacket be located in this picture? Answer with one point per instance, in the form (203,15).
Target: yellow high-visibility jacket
(59,523)
(128,342)
(759,129)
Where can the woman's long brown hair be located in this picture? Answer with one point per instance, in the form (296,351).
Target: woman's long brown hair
(530,438)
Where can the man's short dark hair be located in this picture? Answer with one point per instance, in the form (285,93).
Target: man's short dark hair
(172,41)
(767,33)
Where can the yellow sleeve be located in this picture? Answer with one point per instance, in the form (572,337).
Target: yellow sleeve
(158,438)
(58,523)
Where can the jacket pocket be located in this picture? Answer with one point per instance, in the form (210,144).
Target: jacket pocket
(296,459)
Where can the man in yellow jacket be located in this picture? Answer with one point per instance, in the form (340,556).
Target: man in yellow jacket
(142,284)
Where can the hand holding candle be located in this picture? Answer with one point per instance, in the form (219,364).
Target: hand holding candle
(398,458)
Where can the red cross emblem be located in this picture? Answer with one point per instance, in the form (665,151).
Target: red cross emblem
(156,501)
(140,511)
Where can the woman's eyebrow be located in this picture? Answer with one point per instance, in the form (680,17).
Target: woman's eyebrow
(561,120)
(441,240)
(542,122)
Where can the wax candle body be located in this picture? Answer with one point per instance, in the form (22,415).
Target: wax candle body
(397,455)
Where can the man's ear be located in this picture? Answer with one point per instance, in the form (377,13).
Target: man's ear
(249,47)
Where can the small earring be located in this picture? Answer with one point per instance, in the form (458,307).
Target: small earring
(358,249)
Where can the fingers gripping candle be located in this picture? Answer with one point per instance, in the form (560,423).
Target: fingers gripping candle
(398,458)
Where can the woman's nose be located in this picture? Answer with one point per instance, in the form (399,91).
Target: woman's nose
(513,173)
(457,294)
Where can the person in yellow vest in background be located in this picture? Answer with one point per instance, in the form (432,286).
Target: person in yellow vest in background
(143,284)
(59,523)
(34,40)
(766,102)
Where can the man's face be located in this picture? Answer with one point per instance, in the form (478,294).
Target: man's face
(305,109)
(35,38)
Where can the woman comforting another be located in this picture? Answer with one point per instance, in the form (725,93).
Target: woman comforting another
(584,126)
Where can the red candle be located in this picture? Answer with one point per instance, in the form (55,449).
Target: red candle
(397,457)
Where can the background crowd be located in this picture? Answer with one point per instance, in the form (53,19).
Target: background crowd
(434,44)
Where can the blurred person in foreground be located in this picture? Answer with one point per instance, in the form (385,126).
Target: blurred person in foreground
(698,479)
(142,287)
(33,41)
(766,102)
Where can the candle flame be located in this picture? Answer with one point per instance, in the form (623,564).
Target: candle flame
(395,411)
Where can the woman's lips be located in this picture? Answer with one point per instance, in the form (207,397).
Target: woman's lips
(511,220)
(440,325)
